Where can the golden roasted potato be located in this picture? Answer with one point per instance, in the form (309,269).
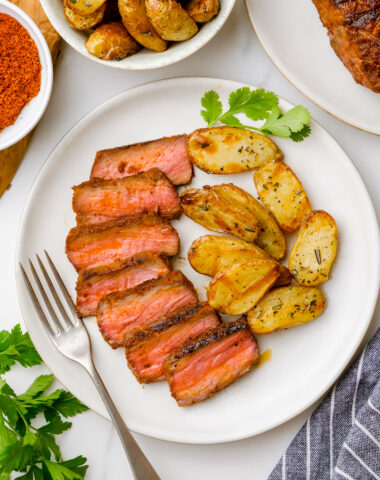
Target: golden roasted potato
(237,288)
(286,307)
(111,41)
(136,21)
(202,11)
(170,20)
(80,22)
(84,7)
(212,253)
(230,150)
(283,194)
(209,207)
(270,237)
(314,250)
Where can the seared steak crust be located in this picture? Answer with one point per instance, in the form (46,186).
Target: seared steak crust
(169,154)
(354,31)
(210,362)
(104,243)
(123,316)
(100,200)
(94,283)
(146,356)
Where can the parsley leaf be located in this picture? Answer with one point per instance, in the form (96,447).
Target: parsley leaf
(23,447)
(257,105)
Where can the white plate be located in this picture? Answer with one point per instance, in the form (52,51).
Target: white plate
(296,41)
(305,360)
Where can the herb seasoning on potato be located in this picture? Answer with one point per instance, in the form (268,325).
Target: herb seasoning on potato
(315,248)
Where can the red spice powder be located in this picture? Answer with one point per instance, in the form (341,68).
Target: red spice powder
(20,69)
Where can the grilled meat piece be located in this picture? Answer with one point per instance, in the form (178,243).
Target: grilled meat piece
(101,200)
(354,31)
(104,243)
(210,362)
(95,283)
(122,316)
(146,356)
(169,154)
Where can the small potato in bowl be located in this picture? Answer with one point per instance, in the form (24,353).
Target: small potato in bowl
(84,7)
(111,42)
(81,22)
(170,20)
(202,11)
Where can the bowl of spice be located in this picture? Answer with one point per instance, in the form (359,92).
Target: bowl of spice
(26,74)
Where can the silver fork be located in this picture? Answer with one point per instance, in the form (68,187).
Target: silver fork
(70,337)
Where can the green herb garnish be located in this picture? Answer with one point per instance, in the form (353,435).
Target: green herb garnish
(317,254)
(25,447)
(257,105)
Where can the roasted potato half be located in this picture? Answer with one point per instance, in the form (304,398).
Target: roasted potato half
(136,21)
(80,22)
(84,7)
(230,150)
(270,237)
(314,250)
(286,307)
(170,20)
(237,288)
(202,11)
(283,194)
(209,207)
(111,41)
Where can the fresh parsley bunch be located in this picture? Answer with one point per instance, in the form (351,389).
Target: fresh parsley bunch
(257,105)
(25,447)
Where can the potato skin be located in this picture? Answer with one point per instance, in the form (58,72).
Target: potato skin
(237,288)
(270,237)
(225,149)
(170,20)
(136,21)
(202,11)
(111,41)
(209,207)
(286,307)
(314,250)
(84,7)
(80,22)
(283,194)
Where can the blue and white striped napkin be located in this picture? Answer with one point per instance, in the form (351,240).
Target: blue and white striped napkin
(341,439)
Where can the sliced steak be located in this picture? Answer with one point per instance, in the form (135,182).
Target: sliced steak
(169,154)
(354,30)
(100,200)
(210,362)
(95,283)
(146,356)
(104,243)
(122,316)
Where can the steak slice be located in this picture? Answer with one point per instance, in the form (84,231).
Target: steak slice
(169,154)
(101,200)
(354,30)
(122,316)
(210,362)
(95,283)
(104,243)
(146,356)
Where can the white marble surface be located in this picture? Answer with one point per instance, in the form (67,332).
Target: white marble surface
(79,86)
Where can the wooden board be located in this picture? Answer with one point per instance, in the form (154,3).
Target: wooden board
(11,157)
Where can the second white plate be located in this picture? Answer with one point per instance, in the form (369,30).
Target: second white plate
(305,360)
(296,41)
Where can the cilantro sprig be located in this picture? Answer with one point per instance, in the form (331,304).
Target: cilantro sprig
(257,105)
(24,446)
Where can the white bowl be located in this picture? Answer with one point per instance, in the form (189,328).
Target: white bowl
(145,59)
(33,111)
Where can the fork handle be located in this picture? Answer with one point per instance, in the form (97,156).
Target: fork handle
(140,465)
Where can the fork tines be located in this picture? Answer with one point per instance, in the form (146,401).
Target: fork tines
(58,323)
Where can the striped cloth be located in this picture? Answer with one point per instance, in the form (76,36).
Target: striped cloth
(341,439)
